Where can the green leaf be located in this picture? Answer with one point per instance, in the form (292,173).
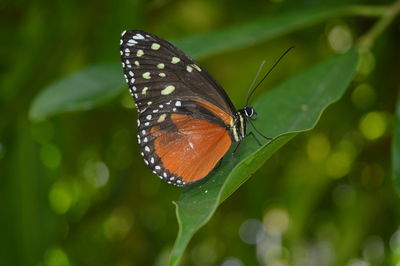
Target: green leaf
(396,146)
(80,91)
(90,87)
(292,107)
(255,31)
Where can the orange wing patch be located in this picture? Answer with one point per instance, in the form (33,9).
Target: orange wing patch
(228,119)
(194,150)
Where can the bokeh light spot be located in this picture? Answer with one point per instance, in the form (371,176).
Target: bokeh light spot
(276,221)
(338,164)
(366,62)
(373,250)
(251,231)
(232,262)
(60,197)
(118,224)
(197,14)
(340,38)
(358,262)
(318,147)
(96,173)
(395,242)
(205,253)
(363,96)
(56,257)
(50,156)
(373,125)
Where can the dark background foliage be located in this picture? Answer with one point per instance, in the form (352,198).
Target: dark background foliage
(74,190)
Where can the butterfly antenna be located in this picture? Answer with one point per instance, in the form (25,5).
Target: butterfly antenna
(255,79)
(266,75)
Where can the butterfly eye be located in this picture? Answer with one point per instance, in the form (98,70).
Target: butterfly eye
(249,111)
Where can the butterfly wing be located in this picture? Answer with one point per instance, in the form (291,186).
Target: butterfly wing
(155,69)
(184,115)
(181,141)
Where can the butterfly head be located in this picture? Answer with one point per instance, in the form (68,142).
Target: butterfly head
(250,113)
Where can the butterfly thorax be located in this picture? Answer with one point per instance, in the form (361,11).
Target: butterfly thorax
(238,130)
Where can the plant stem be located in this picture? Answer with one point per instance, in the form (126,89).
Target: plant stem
(367,40)
(366,11)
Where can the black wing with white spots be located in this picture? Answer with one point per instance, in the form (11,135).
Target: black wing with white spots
(155,70)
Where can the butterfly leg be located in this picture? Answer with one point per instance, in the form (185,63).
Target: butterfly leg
(249,134)
(262,135)
(255,138)
(237,146)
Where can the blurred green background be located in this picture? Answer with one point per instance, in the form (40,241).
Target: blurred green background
(75,191)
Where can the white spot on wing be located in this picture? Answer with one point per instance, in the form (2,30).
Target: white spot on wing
(138,36)
(132,42)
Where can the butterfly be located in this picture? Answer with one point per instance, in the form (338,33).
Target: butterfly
(186,121)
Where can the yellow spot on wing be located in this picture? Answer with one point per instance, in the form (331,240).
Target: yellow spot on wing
(168,90)
(146,75)
(161,118)
(155,46)
(139,53)
(175,60)
(196,67)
